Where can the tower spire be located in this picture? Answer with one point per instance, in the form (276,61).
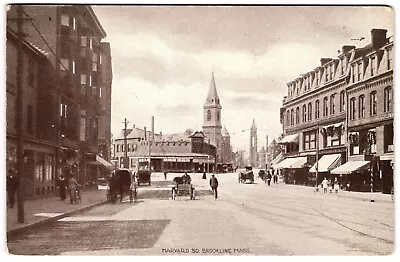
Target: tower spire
(212,96)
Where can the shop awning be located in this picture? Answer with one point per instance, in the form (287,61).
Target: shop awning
(104,162)
(326,163)
(277,160)
(293,162)
(350,167)
(290,139)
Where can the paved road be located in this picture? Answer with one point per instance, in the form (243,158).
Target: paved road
(246,219)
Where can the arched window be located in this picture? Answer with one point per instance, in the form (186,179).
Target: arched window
(387,99)
(292,117)
(304,113)
(287,118)
(297,115)
(208,115)
(218,116)
(361,106)
(316,109)
(342,101)
(352,108)
(325,106)
(332,104)
(309,111)
(373,103)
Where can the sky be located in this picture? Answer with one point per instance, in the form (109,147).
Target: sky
(163,58)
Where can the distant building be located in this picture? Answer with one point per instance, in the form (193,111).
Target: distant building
(182,152)
(226,156)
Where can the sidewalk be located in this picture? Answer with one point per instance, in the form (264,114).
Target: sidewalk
(364,196)
(37,211)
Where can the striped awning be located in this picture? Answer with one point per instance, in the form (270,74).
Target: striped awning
(326,163)
(289,139)
(350,167)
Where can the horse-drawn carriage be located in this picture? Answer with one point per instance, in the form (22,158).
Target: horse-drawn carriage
(143,177)
(246,176)
(121,184)
(183,187)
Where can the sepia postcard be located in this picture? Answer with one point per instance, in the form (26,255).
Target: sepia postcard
(199,130)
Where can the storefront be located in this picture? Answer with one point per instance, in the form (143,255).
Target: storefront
(355,175)
(324,166)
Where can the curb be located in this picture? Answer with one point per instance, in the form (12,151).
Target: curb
(51,219)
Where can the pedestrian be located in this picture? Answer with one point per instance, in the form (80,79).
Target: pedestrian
(269,177)
(62,184)
(72,186)
(214,185)
(336,185)
(11,187)
(204,175)
(186,179)
(165,175)
(325,185)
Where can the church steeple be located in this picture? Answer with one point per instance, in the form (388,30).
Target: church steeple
(212,96)
(253,125)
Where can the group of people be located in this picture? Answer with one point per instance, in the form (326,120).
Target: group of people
(271,176)
(328,183)
(71,185)
(12,185)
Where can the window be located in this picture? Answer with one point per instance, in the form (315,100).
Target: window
(373,103)
(83,79)
(352,108)
(129,147)
(83,126)
(74,23)
(317,78)
(73,67)
(326,74)
(117,147)
(325,106)
(99,91)
(94,67)
(100,59)
(316,109)
(291,117)
(64,19)
(90,43)
(331,72)
(353,73)
(373,66)
(218,116)
(63,110)
(309,140)
(359,71)
(342,98)
(90,80)
(309,110)
(387,99)
(389,59)
(122,148)
(332,104)
(361,106)
(83,41)
(304,113)
(297,115)
(342,66)
(287,118)
(64,64)
(208,115)
(29,122)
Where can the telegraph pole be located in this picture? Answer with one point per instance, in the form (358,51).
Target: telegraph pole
(266,155)
(126,159)
(19,116)
(316,156)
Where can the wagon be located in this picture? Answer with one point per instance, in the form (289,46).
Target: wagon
(246,176)
(183,187)
(143,177)
(121,185)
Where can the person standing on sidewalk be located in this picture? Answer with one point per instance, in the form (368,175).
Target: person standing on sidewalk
(269,177)
(214,185)
(72,184)
(336,185)
(11,187)
(325,185)
(62,185)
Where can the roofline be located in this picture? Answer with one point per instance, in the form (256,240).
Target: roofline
(96,20)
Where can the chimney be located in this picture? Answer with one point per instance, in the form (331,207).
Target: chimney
(145,133)
(347,48)
(152,128)
(378,38)
(325,60)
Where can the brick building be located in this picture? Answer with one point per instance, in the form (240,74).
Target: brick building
(71,38)
(319,117)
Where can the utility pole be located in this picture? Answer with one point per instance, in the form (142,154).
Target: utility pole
(19,116)
(266,155)
(317,155)
(126,159)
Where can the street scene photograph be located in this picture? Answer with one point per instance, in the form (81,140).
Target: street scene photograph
(198,130)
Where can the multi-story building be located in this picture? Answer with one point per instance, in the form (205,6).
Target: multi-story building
(181,152)
(38,89)
(319,112)
(226,156)
(71,36)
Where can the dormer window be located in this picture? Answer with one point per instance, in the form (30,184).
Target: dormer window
(331,72)
(342,66)
(353,72)
(326,74)
(317,78)
(373,66)
(359,71)
(389,59)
